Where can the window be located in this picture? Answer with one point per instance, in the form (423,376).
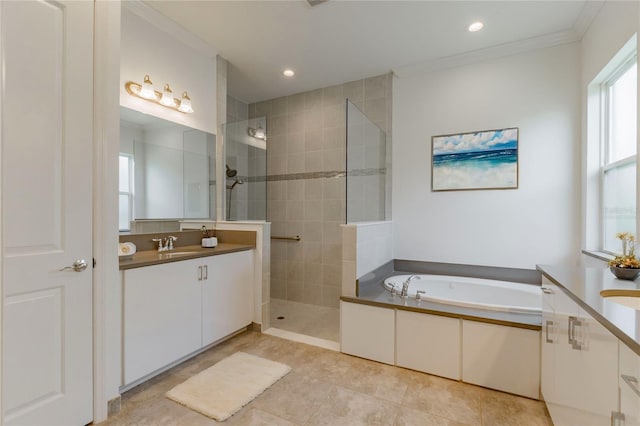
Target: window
(126,192)
(618,171)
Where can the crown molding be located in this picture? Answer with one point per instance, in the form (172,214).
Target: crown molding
(588,13)
(163,23)
(494,52)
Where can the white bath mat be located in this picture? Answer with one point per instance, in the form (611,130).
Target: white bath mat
(221,390)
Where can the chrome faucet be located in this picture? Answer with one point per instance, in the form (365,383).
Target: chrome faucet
(161,247)
(169,243)
(405,285)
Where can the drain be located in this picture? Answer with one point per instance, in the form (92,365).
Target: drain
(280,317)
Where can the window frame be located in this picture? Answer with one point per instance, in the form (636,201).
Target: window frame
(129,193)
(605,146)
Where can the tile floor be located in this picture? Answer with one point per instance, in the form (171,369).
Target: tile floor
(312,320)
(331,388)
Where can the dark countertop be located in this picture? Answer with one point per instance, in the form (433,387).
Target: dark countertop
(583,286)
(153,257)
(371,292)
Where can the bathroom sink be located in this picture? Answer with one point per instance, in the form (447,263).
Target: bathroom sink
(630,298)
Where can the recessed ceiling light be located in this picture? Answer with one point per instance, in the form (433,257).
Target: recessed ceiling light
(476,26)
(288,73)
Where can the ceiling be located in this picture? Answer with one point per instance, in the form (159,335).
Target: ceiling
(339,40)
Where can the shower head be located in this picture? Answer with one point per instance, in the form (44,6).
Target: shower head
(237,182)
(231,172)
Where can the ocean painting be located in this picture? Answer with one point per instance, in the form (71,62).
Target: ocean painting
(478,160)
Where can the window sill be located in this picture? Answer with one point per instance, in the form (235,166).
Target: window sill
(606,257)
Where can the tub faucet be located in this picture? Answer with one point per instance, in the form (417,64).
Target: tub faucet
(405,285)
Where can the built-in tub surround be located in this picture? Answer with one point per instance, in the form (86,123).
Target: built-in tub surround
(370,289)
(469,292)
(458,341)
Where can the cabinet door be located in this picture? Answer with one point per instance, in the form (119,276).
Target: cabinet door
(564,407)
(428,343)
(500,357)
(599,350)
(367,332)
(162,317)
(548,343)
(629,386)
(585,368)
(227,295)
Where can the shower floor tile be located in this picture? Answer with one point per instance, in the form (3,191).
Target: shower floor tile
(312,320)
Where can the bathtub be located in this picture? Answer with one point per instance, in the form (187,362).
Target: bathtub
(472,292)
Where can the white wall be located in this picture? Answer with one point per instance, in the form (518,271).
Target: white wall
(146,49)
(537,223)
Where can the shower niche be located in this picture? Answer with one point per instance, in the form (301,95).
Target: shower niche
(245,169)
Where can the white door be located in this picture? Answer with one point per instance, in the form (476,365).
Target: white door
(46,137)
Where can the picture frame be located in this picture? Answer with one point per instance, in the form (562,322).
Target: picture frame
(481,160)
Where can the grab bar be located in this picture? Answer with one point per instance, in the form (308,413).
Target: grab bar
(296,238)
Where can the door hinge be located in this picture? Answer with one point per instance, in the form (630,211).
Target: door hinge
(94,262)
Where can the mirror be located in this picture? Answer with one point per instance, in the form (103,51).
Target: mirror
(167,170)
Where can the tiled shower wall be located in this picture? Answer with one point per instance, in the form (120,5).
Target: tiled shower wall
(306,140)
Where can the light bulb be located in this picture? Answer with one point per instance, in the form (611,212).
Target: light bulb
(146,90)
(185,104)
(167,97)
(476,26)
(288,73)
(259,133)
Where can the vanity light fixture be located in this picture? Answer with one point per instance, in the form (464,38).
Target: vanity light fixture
(166,99)
(258,133)
(185,104)
(146,89)
(476,26)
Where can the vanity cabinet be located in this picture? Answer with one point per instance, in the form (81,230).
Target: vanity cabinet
(227,295)
(174,309)
(579,377)
(629,382)
(162,316)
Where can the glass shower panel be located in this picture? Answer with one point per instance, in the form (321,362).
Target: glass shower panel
(366,168)
(195,175)
(246,169)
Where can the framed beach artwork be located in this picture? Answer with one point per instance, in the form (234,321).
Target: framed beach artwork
(487,159)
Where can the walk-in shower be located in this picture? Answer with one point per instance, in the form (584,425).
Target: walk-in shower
(328,169)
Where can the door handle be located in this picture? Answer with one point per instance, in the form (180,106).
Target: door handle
(547,324)
(570,330)
(573,341)
(547,290)
(206,272)
(77,266)
(199,273)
